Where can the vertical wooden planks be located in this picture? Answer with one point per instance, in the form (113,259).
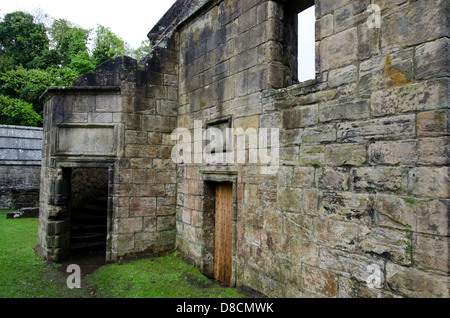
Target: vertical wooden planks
(223,233)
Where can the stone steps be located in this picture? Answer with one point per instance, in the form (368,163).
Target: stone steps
(89,226)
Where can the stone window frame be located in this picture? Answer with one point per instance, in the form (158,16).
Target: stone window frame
(229,121)
(291,10)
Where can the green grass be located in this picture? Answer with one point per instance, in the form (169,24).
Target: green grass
(24,275)
(165,277)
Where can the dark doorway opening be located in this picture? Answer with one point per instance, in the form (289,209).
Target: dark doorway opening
(88,205)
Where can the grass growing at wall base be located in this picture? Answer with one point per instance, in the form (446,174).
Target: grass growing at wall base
(164,277)
(24,275)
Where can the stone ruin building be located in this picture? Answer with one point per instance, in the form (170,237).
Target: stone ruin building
(20,167)
(359,203)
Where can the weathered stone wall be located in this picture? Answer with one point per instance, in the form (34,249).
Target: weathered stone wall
(116,118)
(360,193)
(20,165)
(363,179)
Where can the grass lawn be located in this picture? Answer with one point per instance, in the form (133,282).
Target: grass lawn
(24,275)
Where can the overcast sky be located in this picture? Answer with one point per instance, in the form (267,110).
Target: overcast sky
(131,20)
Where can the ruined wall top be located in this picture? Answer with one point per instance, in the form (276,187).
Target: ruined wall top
(177,14)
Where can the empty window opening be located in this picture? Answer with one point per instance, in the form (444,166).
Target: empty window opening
(307,44)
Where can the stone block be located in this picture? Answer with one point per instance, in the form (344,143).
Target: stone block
(333,178)
(292,137)
(273,221)
(384,128)
(326,7)
(379,179)
(396,212)
(324,27)
(346,155)
(301,116)
(345,109)
(431,252)
(321,282)
(351,265)
(433,151)
(141,151)
(347,206)
(311,201)
(304,251)
(414,24)
(312,155)
(415,97)
(342,76)
(351,15)
(142,206)
(339,50)
(393,153)
(136,137)
(145,241)
(431,59)
(386,71)
(368,42)
(128,225)
(319,134)
(429,182)
(337,234)
(110,104)
(166,223)
(393,244)
(122,243)
(251,194)
(149,190)
(289,199)
(303,177)
(298,226)
(414,283)
(433,123)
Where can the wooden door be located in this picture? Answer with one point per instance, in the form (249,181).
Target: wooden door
(223,233)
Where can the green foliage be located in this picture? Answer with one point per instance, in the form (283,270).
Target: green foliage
(38,51)
(29,85)
(82,63)
(18,112)
(141,51)
(22,41)
(68,41)
(107,45)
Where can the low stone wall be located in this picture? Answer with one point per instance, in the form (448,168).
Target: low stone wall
(20,166)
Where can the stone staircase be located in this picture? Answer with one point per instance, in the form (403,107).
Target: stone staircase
(88,230)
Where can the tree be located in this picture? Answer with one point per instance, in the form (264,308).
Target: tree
(68,41)
(22,41)
(17,112)
(107,45)
(82,63)
(142,51)
(29,85)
